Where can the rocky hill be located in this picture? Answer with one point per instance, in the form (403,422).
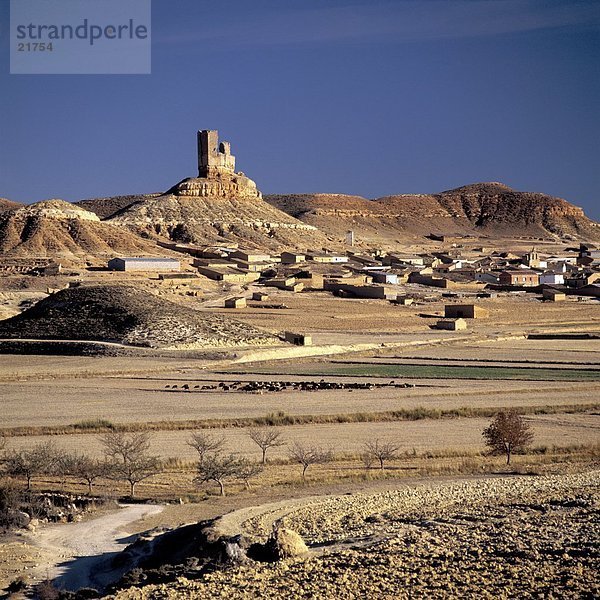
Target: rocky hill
(106,207)
(490,209)
(126,315)
(7,205)
(192,211)
(59,229)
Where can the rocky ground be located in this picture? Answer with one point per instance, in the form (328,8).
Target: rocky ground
(127,315)
(526,537)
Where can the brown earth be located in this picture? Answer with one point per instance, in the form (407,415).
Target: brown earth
(7,205)
(126,315)
(486,538)
(106,207)
(481,209)
(57,229)
(300,221)
(252,222)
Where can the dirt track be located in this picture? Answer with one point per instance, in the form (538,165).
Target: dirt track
(78,554)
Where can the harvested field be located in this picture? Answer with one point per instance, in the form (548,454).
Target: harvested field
(68,401)
(436,435)
(323,314)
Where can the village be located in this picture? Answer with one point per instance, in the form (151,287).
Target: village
(460,276)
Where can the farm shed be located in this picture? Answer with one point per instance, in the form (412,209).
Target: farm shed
(464,311)
(143,264)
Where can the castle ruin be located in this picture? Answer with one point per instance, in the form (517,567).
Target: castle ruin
(213,157)
(216,172)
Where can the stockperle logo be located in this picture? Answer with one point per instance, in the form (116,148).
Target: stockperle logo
(80,37)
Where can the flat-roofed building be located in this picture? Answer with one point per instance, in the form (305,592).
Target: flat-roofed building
(464,311)
(452,325)
(151,264)
(521,277)
(292,258)
(328,258)
(298,339)
(554,295)
(236,302)
(250,256)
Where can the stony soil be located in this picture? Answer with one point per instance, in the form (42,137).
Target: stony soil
(59,230)
(126,315)
(499,538)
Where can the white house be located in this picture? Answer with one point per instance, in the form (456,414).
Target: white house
(487,277)
(551,277)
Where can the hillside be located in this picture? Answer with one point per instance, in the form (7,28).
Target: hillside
(7,205)
(127,315)
(59,229)
(250,221)
(483,209)
(106,207)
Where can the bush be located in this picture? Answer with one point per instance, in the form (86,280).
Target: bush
(10,502)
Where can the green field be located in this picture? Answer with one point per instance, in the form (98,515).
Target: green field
(432,372)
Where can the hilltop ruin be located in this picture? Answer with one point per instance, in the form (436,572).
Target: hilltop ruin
(216,172)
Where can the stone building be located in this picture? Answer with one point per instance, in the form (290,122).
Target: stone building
(452,325)
(236,302)
(216,172)
(214,157)
(464,311)
(298,339)
(151,264)
(521,277)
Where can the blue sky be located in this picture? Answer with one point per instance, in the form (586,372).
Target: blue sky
(350,96)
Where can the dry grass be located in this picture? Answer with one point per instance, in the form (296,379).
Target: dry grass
(175,482)
(280,418)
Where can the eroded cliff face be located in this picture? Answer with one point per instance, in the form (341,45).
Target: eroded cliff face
(59,229)
(489,203)
(490,208)
(203,210)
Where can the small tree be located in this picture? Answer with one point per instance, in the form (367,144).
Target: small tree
(247,470)
(10,501)
(128,459)
(205,443)
(506,433)
(381,451)
(63,466)
(39,460)
(308,455)
(88,469)
(218,467)
(265,438)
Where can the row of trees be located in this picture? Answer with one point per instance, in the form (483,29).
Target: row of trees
(127,456)
(507,433)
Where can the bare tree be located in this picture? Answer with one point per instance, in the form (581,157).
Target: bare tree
(88,469)
(128,459)
(381,451)
(265,438)
(63,466)
(39,460)
(308,455)
(205,443)
(247,470)
(218,467)
(506,433)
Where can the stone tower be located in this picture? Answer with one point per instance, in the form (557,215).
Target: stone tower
(214,158)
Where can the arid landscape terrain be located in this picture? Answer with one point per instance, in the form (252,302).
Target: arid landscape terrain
(208,393)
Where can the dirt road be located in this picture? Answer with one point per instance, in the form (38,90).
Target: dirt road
(79,555)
